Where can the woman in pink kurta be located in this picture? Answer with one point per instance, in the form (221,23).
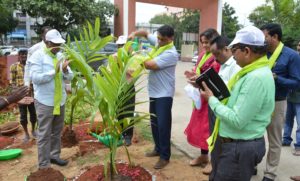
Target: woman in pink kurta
(197,130)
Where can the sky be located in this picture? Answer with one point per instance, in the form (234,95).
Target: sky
(144,11)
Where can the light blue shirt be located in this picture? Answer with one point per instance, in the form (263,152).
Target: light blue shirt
(161,82)
(42,74)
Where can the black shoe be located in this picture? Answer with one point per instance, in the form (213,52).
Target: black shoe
(267,179)
(286,144)
(59,162)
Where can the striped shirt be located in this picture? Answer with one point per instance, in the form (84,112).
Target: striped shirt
(17,74)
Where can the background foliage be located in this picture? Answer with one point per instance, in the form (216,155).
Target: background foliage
(7,22)
(284,12)
(65,15)
(188,21)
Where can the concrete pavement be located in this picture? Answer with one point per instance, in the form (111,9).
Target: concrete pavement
(182,108)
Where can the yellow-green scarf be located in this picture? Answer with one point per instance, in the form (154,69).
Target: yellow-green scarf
(261,62)
(204,58)
(140,59)
(57,84)
(275,55)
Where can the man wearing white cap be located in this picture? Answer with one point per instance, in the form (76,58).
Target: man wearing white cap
(48,71)
(244,116)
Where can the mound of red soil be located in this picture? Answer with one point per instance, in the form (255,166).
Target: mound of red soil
(5,141)
(68,138)
(125,172)
(82,130)
(48,174)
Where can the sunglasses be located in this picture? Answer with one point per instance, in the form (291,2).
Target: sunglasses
(160,38)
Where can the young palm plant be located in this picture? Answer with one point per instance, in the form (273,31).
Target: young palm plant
(108,89)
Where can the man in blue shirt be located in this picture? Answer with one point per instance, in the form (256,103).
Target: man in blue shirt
(45,65)
(286,73)
(161,88)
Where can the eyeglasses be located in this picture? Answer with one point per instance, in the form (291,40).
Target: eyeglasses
(235,48)
(160,38)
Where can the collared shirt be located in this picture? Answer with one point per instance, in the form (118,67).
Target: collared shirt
(42,74)
(17,74)
(161,82)
(287,69)
(31,50)
(228,69)
(249,108)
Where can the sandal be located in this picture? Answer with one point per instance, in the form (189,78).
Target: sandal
(199,161)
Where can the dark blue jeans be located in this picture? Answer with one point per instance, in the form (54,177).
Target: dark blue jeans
(238,159)
(293,109)
(161,125)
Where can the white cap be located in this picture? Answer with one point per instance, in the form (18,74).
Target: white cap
(249,35)
(54,36)
(121,40)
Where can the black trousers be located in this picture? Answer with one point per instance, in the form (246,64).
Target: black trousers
(23,113)
(161,125)
(238,159)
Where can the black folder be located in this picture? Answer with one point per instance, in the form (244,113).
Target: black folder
(214,83)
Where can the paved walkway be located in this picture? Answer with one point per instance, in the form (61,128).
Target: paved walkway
(182,106)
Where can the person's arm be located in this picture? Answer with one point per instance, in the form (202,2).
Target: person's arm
(293,80)
(138,33)
(14,97)
(38,76)
(247,105)
(164,60)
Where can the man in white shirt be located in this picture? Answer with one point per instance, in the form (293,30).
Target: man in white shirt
(48,72)
(31,50)
(219,48)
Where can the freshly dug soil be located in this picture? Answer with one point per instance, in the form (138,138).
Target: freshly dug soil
(88,147)
(68,138)
(48,174)
(82,130)
(5,141)
(125,172)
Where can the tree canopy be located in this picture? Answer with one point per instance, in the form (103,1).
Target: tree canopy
(284,12)
(188,21)
(8,22)
(66,14)
(230,23)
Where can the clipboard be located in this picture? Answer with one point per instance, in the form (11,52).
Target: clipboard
(214,83)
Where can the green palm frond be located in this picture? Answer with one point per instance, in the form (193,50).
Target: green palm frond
(108,90)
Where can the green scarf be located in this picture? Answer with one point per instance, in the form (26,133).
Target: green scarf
(140,59)
(204,58)
(57,84)
(158,50)
(261,62)
(275,55)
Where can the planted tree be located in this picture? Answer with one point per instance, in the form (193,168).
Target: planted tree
(108,90)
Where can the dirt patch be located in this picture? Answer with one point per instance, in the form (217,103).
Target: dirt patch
(89,147)
(5,141)
(82,130)
(177,170)
(125,172)
(68,138)
(48,174)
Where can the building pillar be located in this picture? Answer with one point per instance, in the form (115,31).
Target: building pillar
(124,22)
